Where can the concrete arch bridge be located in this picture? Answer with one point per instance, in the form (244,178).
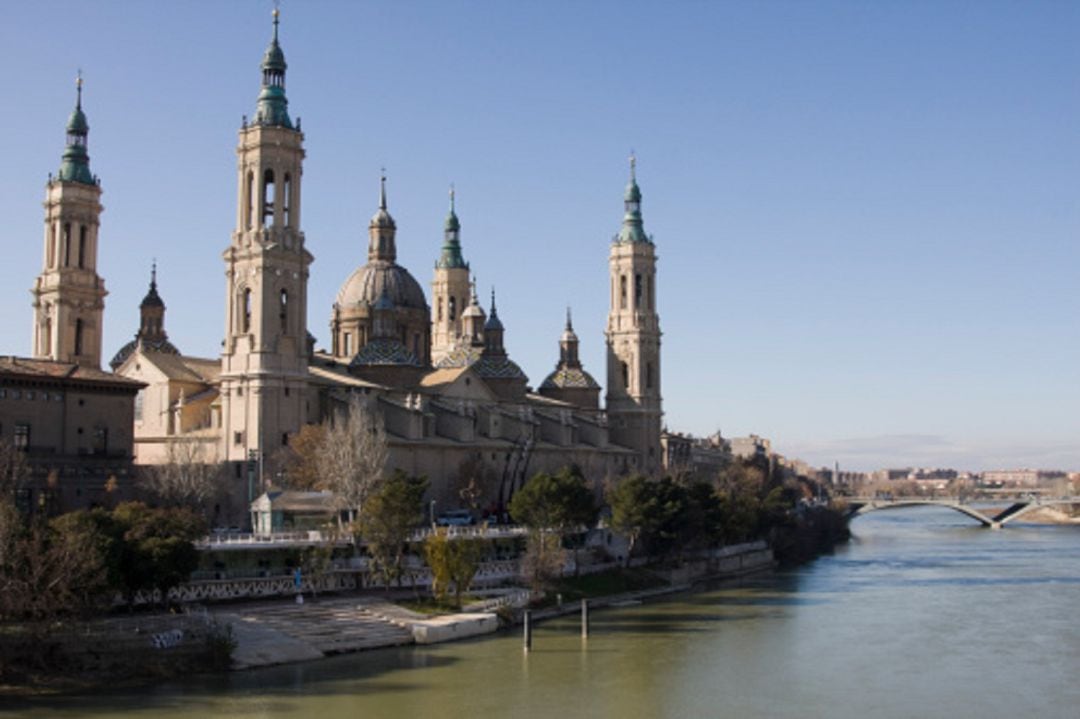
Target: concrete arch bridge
(1018,507)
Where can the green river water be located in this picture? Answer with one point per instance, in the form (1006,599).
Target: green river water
(923,614)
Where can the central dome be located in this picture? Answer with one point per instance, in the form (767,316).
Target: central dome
(367,284)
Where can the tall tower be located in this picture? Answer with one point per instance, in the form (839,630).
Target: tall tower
(264,359)
(69,296)
(450,290)
(633,338)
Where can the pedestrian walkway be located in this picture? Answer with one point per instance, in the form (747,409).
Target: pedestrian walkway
(278,632)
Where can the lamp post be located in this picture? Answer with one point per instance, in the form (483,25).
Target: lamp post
(431,513)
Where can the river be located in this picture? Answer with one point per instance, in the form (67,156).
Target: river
(923,614)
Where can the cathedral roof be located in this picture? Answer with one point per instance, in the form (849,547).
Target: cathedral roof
(368,283)
(483,363)
(163,346)
(384,351)
(569,378)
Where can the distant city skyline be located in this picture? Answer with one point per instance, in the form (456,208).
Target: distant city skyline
(866,215)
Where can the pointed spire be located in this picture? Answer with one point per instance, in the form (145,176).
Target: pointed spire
(152,299)
(75,163)
(382,229)
(451,249)
(633,229)
(568,345)
(272,108)
(493,321)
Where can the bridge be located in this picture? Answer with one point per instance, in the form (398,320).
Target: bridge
(1018,507)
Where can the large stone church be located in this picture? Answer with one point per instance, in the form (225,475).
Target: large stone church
(438,374)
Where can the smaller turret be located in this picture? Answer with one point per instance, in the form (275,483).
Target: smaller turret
(633,229)
(473,320)
(382,229)
(151,336)
(273,108)
(75,165)
(569,382)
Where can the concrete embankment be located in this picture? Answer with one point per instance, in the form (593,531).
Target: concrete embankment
(283,632)
(280,632)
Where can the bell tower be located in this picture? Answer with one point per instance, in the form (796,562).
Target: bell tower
(69,296)
(633,338)
(450,290)
(264,356)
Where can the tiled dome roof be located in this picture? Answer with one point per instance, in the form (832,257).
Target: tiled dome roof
(367,284)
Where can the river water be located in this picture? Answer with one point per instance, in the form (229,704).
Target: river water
(923,614)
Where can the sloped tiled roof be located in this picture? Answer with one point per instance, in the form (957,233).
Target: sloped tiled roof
(27,368)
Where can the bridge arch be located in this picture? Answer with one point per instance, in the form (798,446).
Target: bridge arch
(876,505)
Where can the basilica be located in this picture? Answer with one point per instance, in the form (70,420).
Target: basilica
(434,369)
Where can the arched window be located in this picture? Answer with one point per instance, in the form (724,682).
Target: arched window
(453,309)
(249,200)
(638,291)
(82,246)
(626,375)
(346,345)
(268,198)
(67,244)
(286,200)
(622,292)
(648,376)
(78,337)
(283,311)
(245,310)
(51,250)
(650,294)
(438,309)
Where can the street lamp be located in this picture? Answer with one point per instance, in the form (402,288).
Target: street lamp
(431,513)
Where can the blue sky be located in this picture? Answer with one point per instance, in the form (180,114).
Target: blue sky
(867,213)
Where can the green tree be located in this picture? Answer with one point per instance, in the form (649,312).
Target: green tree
(562,504)
(635,510)
(453,562)
(387,519)
(154,547)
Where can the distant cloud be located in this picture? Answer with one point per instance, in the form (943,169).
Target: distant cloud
(932,450)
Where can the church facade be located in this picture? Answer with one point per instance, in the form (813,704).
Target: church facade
(438,375)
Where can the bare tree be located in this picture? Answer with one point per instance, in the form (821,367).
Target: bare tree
(190,476)
(354,455)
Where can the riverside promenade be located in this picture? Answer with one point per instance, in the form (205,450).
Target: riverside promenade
(281,632)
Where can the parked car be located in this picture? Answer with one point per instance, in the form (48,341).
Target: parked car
(455,518)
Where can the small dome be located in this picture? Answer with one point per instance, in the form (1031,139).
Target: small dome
(383,219)
(274,58)
(152,299)
(77,124)
(473,310)
(367,284)
(493,323)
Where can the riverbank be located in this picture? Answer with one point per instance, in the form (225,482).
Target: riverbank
(148,647)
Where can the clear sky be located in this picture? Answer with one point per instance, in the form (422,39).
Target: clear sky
(867,214)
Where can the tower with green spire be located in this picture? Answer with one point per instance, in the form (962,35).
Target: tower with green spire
(633,400)
(450,289)
(264,357)
(69,296)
